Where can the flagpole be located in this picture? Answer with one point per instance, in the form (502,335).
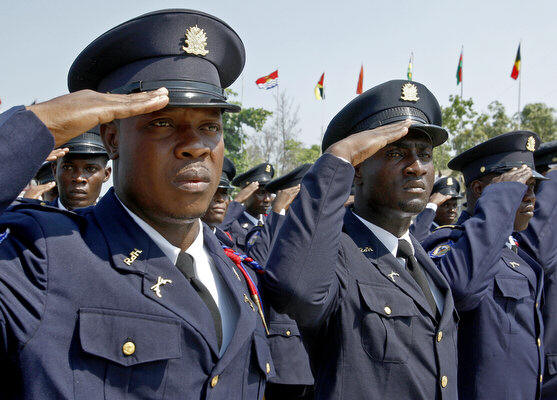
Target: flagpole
(519,83)
(462,74)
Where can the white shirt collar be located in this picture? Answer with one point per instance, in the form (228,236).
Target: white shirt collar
(251,218)
(389,240)
(60,205)
(171,251)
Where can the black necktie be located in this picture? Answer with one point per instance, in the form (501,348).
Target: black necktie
(415,269)
(185,265)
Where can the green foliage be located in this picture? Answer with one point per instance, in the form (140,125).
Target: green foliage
(540,118)
(298,154)
(234,135)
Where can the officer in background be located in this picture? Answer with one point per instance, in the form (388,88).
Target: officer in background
(379,315)
(540,241)
(241,218)
(134,297)
(441,210)
(496,284)
(293,379)
(81,173)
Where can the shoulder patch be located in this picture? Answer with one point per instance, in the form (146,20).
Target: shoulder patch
(441,250)
(449,227)
(4,235)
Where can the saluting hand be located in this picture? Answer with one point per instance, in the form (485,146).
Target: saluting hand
(246,192)
(284,198)
(522,175)
(36,191)
(439,198)
(72,114)
(362,145)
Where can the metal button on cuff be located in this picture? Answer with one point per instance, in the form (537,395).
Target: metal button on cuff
(214,381)
(288,333)
(444,381)
(387,310)
(268,367)
(128,348)
(439,336)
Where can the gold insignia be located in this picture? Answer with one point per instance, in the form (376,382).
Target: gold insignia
(440,250)
(366,249)
(157,286)
(196,40)
(248,301)
(133,256)
(531,144)
(392,275)
(245,225)
(514,264)
(237,276)
(268,168)
(482,169)
(554,159)
(450,181)
(409,92)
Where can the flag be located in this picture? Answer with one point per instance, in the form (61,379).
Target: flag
(359,88)
(459,70)
(516,66)
(319,90)
(409,72)
(269,81)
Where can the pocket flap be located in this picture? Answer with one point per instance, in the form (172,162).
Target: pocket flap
(263,355)
(286,329)
(387,301)
(551,363)
(515,288)
(128,338)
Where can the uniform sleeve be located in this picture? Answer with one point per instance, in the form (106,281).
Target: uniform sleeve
(261,241)
(470,264)
(23,276)
(233,211)
(539,240)
(421,227)
(301,278)
(25,142)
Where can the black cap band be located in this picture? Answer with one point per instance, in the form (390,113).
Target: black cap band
(390,116)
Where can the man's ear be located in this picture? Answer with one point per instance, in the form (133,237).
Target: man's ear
(110,134)
(107,172)
(477,188)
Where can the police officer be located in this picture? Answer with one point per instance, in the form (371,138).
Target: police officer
(293,379)
(497,286)
(133,297)
(380,316)
(441,209)
(540,241)
(241,218)
(82,171)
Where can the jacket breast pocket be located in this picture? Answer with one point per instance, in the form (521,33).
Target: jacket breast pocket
(386,324)
(510,293)
(262,368)
(125,353)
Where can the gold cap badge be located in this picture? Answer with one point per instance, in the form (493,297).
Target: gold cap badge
(268,168)
(409,92)
(450,181)
(531,144)
(196,41)
(482,169)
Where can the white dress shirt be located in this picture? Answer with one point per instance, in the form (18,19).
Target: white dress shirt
(205,271)
(390,241)
(251,218)
(60,205)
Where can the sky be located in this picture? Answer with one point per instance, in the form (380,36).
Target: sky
(303,39)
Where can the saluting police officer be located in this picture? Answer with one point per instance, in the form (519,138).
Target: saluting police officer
(441,209)
(540,241)
(497,286)
(132,298)
(380,315)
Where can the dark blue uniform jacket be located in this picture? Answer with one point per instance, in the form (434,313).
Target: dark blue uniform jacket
(76,286)
(497,293)
(287,348)
(237,224)
(540,241)
(423,225)
(371,336)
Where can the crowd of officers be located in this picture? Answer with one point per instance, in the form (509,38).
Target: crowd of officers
(355,277)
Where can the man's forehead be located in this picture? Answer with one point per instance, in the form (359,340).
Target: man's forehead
(184,111)
(413,139)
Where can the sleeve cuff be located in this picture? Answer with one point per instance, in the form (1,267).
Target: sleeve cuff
(432,206)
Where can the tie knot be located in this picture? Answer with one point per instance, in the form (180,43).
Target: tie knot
(185,264)
(404,249)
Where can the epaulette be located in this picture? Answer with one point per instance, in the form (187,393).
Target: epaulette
(449,226)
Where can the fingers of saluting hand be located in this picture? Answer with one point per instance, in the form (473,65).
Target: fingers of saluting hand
(128,105)
(35,192)
(57,153)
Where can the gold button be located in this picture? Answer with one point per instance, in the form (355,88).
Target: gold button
(128,348)
(388,310)
(439,336)
(482,169)
(537,304)
(541,378)
(214,381)
(268,367)
(539,342)
(444,381)
(288,333)
(43,203)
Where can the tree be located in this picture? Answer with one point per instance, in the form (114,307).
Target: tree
(540,118)
(235,137)
(299,154)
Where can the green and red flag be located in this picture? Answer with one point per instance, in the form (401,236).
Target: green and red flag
(319,89)
(516,66)
(360,87)
(459,70)
(409,71)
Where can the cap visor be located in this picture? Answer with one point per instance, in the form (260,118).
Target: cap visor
(539,176)
(437,134)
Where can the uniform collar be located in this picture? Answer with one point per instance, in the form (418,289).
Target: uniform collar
(60,205)
(389,240)
(171,251)
(251,218)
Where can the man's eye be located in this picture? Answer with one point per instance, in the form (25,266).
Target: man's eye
(66,167)
(161,124)
(394,154)
(212,128)
(427,156)
(92,169)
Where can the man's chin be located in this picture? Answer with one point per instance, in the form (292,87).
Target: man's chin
(414,207)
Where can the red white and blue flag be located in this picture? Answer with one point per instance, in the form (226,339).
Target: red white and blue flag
(269,81)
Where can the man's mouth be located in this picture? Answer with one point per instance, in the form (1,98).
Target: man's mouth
(414,187)
(193,180)
(77,193)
